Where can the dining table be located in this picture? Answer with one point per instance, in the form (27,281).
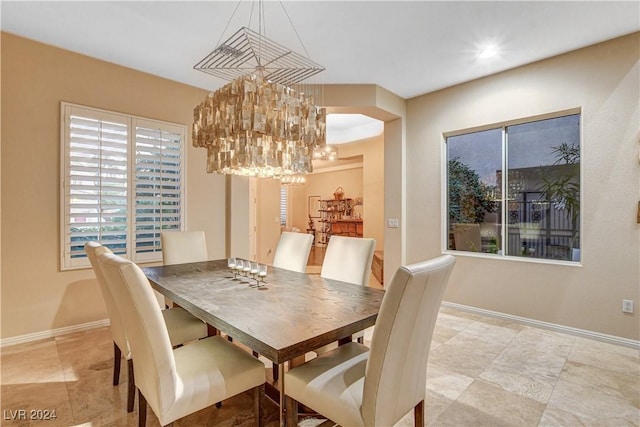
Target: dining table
(282,319)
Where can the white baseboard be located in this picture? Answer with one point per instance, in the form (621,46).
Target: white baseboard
(612,339)
(21,339)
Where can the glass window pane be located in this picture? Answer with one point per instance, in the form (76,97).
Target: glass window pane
(474,165)
(543,189)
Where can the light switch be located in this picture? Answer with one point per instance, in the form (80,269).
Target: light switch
(392,222)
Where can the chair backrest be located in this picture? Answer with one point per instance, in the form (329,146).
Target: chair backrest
(395,377)
(93,251)
(155,368)
(467,237)
(180,247)
(292,252)
(348,259)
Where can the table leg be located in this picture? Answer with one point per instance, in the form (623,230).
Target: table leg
(346,340)
(282,405)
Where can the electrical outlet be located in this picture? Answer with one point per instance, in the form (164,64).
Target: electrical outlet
(627,306)
(392,223)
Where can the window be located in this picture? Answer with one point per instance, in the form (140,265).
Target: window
(532,210)
(283,206)
(122,183)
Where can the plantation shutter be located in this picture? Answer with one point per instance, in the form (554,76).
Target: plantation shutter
(95,182)
(283,205)
(158,185)
(122,183)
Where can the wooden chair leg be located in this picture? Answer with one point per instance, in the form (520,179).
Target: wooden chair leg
(131,390)
(117,356)
(418,414)
(142,410)
(275,372)
(258,405)
(291,410)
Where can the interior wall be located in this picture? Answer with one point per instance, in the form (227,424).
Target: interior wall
(35,295)
(268,221)
(369,184)
(602,80)
(324,184)
(373,173)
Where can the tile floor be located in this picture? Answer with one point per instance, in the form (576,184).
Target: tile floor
(482,372)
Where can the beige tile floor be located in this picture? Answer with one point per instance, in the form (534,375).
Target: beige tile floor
(482,372)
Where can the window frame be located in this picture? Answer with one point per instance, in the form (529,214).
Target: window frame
(503,126)
(132,123)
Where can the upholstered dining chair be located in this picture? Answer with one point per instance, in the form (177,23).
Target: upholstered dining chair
(176,382)
(292,251)
(348,259)
(179,247)
(356,386)
(181,325)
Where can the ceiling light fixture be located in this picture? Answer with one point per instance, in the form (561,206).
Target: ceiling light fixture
(488,52)
(263,123)
(327,152)
(293,180)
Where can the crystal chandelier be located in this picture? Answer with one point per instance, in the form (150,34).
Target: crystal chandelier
(263,123)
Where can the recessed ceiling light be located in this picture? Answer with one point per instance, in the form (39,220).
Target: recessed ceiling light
(487,52)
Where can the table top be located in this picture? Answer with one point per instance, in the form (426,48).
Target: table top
(293,314)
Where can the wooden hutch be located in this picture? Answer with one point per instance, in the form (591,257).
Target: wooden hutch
(335,220)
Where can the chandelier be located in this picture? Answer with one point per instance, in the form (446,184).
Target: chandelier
(293,180)
(326,152)
(263,123)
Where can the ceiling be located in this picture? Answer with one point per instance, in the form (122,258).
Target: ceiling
(409,48)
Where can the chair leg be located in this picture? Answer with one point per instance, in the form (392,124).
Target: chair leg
(275,372)
(291,410)
(131,392)
(258,404)
(117,355)
(142,410)
(418,414)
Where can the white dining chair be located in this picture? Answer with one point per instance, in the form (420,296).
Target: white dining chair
(176,382)
(348,259)
(181,325)
(179,247)
(292,251)
(357,386)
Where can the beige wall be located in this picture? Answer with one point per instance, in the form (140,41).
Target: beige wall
(324,184)
(603,80)
(366,180)
(36,296)
(268,218)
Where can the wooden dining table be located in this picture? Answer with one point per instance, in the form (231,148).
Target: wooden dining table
(289,315)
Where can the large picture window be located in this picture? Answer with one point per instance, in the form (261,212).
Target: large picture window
(515,190)
(122,183)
